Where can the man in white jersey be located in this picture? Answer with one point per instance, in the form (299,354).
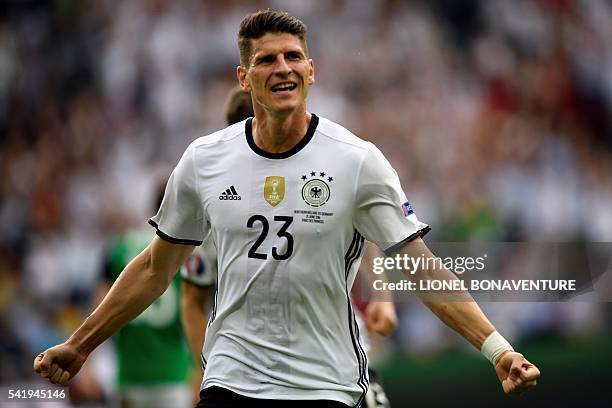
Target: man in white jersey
(288,198)
(199,275)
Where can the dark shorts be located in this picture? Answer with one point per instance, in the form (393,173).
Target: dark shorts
(217,397)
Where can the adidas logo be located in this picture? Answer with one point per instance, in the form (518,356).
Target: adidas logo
(230,194)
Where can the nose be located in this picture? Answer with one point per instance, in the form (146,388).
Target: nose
(282,68)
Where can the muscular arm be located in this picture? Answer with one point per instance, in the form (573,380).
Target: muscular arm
(457,310)
(142,281)
(194,315)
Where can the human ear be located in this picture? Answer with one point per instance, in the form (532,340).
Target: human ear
(241,73)
(311,77)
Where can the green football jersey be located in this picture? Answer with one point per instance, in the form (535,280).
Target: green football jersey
(151,349)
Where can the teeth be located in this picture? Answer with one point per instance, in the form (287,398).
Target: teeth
(283,86)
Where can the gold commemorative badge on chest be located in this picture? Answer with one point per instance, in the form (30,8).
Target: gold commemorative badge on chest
(274,190)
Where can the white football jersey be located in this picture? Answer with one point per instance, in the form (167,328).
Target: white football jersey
(289,229)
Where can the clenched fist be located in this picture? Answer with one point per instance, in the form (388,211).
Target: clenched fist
(59,364)
(516,374)
(380,317)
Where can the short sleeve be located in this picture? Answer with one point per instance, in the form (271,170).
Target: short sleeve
(200,268)
(383,215)
(180,217)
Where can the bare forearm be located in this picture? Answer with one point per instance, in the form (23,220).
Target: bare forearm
(456,309)
(465,318)
(142,281)
(195,337)
(194,314)
(125,301)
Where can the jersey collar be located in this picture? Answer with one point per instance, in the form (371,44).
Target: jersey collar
(248,129)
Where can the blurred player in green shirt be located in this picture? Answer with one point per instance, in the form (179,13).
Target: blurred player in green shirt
(154,362)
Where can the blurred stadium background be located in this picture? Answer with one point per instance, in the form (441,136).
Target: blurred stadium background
(496,114)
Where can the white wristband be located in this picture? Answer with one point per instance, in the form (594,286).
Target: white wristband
(494,346)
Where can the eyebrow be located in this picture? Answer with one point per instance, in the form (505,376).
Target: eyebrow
(260,58)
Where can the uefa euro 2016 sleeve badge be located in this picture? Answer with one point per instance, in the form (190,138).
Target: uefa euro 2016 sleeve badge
(316,191)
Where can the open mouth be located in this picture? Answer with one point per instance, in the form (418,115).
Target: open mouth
(286,86)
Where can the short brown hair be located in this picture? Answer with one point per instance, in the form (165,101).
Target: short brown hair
(262,22)
(239,106)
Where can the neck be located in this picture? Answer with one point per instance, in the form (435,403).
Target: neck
(278,134)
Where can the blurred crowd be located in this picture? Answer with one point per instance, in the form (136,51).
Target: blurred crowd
(496,114)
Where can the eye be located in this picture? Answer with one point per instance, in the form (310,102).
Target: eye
(265,59)
(293,56)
